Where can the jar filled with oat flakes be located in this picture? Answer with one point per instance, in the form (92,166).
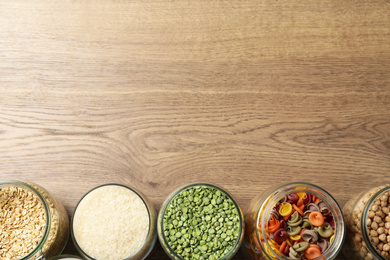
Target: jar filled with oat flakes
(367,217)
(33,224)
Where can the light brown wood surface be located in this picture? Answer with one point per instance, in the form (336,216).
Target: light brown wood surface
(155,94)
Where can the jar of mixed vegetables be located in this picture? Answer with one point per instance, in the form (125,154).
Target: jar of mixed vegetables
(294,221)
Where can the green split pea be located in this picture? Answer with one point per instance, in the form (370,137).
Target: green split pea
(201,222)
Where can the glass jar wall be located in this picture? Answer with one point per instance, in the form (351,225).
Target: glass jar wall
(65,257)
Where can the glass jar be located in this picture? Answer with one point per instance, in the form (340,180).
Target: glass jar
(258,243)
(210,220)
(360,213)
(109,200)
(43,220)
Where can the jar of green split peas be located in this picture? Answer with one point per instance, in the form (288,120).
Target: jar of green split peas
(200,221)
(294,221)
(367,217)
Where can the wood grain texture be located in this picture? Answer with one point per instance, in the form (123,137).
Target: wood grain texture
(155,94)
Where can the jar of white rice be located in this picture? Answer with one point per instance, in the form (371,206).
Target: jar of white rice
(114,222)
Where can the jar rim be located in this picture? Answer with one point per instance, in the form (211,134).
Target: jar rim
(300,187)
(363,220)
(24,185)
(59,257)
(140,195)
(173,194)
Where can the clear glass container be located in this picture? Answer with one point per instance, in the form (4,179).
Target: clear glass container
(360,244)
(257,243)
(143,251)
(164,239)
(55,220)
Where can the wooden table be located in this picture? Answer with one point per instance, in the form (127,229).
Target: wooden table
(155,94)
